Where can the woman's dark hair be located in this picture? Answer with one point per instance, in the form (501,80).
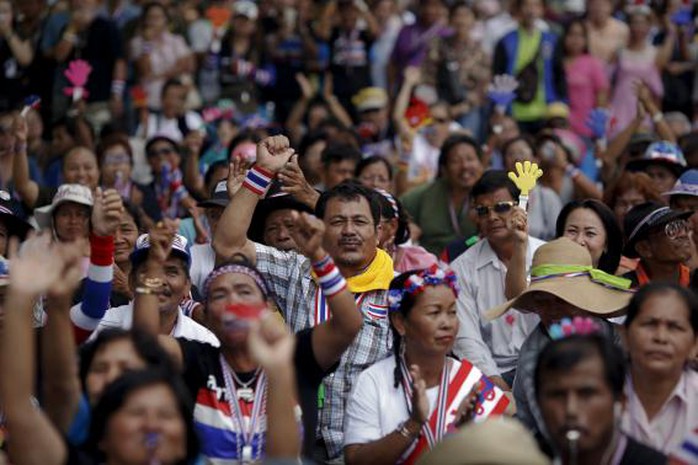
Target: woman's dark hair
(451,142)
(493,180)
(610,258)
(455,6)
(562,355)
(406,304)
(568,29)
(350,190)
(402,234)
(525,138)
(149,6)
(118,393)
(134,212)
(113,140)
(211,170)
(662,288)
(146,346)
(372,160)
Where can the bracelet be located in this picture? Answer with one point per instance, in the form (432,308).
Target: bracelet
(148,286)
(330,279)
(405,432)
(258,180)
(658,117)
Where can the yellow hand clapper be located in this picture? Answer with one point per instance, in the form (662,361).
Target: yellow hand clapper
(525,178)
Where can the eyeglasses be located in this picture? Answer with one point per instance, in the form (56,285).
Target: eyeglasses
(499,207)
(675,229)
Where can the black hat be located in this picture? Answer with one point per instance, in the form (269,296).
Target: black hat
(16,225)
(275,200)
(642,218)
(219,196)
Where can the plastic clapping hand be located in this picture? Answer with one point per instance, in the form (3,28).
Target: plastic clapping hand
(597,121)
(682,17)
(502,90)
(77,73)
(525,178)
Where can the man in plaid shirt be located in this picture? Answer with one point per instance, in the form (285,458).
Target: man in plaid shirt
(352,218)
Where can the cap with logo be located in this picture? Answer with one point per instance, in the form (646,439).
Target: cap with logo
(180,248)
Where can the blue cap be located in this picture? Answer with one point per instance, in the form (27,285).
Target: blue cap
(687,184)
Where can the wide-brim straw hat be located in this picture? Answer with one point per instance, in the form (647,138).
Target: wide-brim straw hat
(564,269)
(495,441)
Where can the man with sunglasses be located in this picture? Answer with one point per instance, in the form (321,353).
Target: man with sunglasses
(659,237)
(493,346)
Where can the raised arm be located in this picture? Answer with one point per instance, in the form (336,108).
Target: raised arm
(231,234)
(331,338)
(515,282)
(27,189)
(106,215)
(272,346)
(150,284)
(34,439)
(61,383)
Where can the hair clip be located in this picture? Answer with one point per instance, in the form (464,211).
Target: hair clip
(581,326)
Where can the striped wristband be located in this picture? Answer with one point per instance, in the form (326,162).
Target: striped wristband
(258,180)
(330,279)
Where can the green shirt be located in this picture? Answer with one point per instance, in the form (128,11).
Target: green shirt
(428,205)
(528,46)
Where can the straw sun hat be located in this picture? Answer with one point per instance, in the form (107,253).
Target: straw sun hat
(563,268)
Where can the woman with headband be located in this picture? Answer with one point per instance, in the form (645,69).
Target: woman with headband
(403,405)
(395,236)
(229,387)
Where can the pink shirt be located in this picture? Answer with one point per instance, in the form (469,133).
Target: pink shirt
(585,79)
(677,417)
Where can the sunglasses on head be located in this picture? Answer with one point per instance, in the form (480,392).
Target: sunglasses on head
(499,207)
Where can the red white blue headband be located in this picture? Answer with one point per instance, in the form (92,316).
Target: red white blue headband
(418,282)
(240,269)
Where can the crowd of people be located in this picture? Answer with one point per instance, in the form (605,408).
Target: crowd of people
(348,231)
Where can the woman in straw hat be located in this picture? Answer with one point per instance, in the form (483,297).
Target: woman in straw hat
(564,283)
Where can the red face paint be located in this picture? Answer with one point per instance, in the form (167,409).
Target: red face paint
(239,316)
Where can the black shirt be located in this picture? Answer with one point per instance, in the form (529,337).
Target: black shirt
(204,378)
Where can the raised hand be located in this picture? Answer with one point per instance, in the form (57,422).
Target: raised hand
(107,211)
(597,122)
(20,130)
(517,223)
(307,234)
(236,176)
(274,152)
(271,344)
(160,238)
(42,264)
(71,255)
(502,91)
(413,75)
(304,83)
(420,401)
(294,183)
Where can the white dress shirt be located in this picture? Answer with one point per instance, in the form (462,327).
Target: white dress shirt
(185,327)
(492,346)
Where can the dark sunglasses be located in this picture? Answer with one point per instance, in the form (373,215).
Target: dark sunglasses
(499,207)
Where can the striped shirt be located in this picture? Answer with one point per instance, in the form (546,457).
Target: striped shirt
(295,292)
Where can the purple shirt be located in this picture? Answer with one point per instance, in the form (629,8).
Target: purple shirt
(413,42)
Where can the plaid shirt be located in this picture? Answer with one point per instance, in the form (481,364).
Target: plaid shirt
(295,292)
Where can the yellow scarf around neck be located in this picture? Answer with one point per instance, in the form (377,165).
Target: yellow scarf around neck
(376,277)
